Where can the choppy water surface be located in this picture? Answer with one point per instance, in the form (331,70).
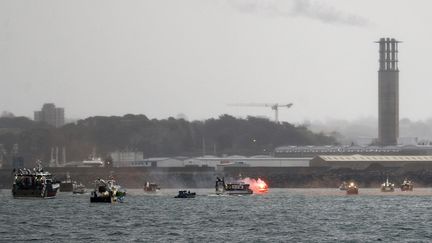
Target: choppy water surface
(282,215)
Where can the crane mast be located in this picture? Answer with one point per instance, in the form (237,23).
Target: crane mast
(273,106)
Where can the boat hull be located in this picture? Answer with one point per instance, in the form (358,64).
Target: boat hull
(94,198)
(352,191)
(49,192)
(185,196)
(387,189)
(235,192)
(66,186)
(79,191)
(406,188)
(101,199)
(151,190)
(151,187)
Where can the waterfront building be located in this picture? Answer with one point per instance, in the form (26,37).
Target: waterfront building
(311,151)
(126,158)
(362,162)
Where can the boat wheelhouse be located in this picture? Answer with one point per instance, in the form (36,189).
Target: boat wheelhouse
(151,187)
(343,186)
(238,188)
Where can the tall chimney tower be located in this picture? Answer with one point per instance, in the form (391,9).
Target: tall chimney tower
(388,92)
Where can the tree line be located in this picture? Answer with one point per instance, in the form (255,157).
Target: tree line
(167,137)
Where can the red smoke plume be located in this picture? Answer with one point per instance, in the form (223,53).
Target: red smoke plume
(257,186)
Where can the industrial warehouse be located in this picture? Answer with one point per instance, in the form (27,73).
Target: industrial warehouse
(361,162)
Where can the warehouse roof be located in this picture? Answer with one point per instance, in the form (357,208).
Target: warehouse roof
(375,158)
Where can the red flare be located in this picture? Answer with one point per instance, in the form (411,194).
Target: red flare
(258,186)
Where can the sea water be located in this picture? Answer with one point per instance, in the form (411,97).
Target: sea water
(281,215)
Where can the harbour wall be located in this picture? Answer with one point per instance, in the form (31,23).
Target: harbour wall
(204,177)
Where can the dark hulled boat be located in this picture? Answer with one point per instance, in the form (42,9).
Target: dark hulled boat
(407,185)
(67,185)
(35,183)
(185,194)
(107,191)
(352,189)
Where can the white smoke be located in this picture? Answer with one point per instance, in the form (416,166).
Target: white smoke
(299,8)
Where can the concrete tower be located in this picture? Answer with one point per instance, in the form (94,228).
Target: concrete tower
(388,92)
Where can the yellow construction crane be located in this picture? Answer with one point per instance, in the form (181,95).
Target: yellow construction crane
(274,106)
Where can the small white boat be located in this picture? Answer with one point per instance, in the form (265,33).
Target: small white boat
(387,186)
(151,187)
(79,189)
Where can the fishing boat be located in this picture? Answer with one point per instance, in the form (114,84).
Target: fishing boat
(93,162)
(343,186)
(107,191)
(407,185)
(352,189)
(67,185)
(387,186)
(239,188)
(79,189)
(185,194)
(151,187)
(34,183)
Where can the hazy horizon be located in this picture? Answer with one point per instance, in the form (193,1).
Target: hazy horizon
(164,58)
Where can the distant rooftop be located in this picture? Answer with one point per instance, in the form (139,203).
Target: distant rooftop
(350,149)
(374,158)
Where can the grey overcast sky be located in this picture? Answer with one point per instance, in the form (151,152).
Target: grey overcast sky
(165,57)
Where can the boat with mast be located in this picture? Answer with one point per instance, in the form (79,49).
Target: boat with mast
(107,191)
(151,187)
(79,189)
(387,186)
(36,183)
(67,185)
(407,185)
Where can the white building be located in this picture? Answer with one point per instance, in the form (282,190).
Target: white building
(254,161)
(135,159)
(126,158)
